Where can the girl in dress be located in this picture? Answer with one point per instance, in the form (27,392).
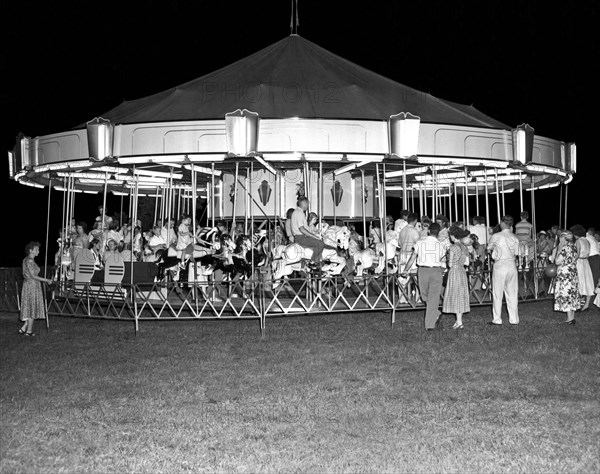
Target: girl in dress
(456,297)
(185,239)
(566,291)
(374,234)
(32,297)
(137,242)
(312,223)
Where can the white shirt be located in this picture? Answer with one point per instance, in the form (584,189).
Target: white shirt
(409,235)
(482,233)
(504,246)
(168,235)
(430,252)
(593,245)
(156,240)
(399,225)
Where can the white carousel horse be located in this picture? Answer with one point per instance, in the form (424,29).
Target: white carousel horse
(288,258)
(386,253)
(363,259)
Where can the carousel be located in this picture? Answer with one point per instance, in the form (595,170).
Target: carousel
(243,144)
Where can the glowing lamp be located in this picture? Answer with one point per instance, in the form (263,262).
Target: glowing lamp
(100,138)
(571,158)
(403,132)
(241,129)
(523,144)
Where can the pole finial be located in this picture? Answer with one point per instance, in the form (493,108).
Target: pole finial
(294,21)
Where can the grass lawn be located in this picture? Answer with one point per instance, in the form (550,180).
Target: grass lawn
(327,393)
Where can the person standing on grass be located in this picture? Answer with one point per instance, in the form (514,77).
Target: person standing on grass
(584,272)
(594,258)
(566,290)
(456,297)
(504,247)
(32,296)
(429,254)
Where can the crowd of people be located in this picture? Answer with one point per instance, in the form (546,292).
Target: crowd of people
(451,259)
(446,252)
(130,240)
(446,256)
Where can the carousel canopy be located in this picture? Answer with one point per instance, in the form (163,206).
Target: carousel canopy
(295,77)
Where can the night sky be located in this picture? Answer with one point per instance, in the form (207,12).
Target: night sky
(518,61)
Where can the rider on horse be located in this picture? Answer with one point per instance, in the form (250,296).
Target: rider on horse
(302,234)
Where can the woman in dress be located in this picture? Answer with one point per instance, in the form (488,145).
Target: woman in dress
(566,291)
(456,297)
(584,271)
(81,240)
(110,250)
(32,297)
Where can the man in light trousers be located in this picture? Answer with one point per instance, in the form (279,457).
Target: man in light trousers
(504,247)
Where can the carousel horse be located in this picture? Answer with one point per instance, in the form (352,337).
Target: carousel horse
(364,259)
(241,258)
(386,253)
(375,259)
(288,258)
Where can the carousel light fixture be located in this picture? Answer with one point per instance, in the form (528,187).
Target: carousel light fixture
(523,144)
(544,186)
(164,174)
(100,138)
(571,158)
(403,135)
(350,167)
(11,163)
(203,170)
(205,158)
(451,160)
(32,184)
(241,132)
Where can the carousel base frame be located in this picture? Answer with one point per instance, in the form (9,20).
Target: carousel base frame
(259,299)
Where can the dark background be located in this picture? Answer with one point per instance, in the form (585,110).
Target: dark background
(65,63)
